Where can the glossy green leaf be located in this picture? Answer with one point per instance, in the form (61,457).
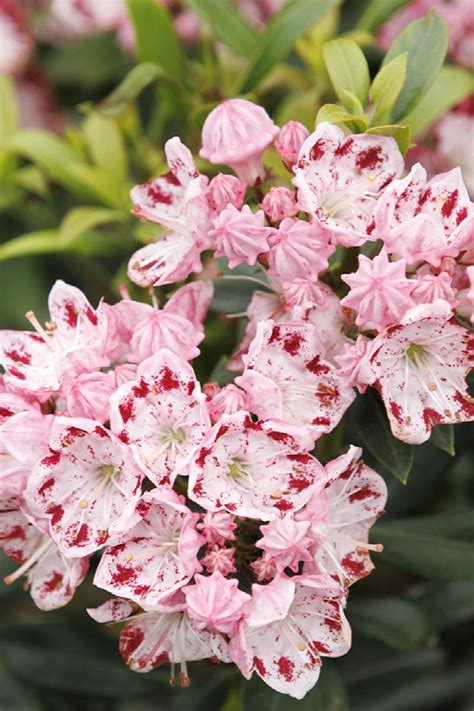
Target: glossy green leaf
(336,114)
(396,622)
(370,425)
(228,24)
(442,436)
(348,70)
(377,12)
(402,134)
(426,43)
(429,546)
(106,146)
(131,87)
(450,87)
(329,694)
(292,21)
(82,219)
(386,87)
(156,38)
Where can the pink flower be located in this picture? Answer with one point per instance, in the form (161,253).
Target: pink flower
(220,559)
(217,527)
(470,293)
(289,624)
(161,415)
(23,441)
(265,570)
(284,541)
(288,377)
(251,469)
(168,636)
(88,395)
(425,220)
(228,400)
(341,513)
(290,139)
(86,488)
(279,203)
(52,578)
(299,250)
(236,133)
(16,40)
(159,555)
(429,287)
(454,132)
(240,235)
(419,368)
(215,603)
(353,363)
(339,178)
(225,190)
(380,291)
(75,342)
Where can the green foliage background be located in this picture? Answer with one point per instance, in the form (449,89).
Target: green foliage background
(65,212)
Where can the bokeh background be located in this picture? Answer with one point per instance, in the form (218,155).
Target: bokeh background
(71,146)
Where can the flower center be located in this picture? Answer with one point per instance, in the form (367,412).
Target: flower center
(414,350)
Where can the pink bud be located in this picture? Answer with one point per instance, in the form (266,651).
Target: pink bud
(236,133)
(240,235)
(89,396)
(291,137)
(279,203)
(229,400)
(225,190)
(187,27)
(217,527)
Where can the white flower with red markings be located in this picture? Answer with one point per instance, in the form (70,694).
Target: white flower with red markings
(253,469)
(289,624)
(159,555)
(339,178)
(86,487)
(162,415)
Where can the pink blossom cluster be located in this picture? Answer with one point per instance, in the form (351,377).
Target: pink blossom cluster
(221,535)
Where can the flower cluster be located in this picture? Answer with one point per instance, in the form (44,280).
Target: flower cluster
(221,535)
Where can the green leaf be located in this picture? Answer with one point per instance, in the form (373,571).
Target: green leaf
(442,436)
(228,24)
(101,185)
(348,70)
(40,242)
(370,425)
(450,87)
(426,43)
(82,219)
(447,605)
(9,112)
(131,86)
(386,87)
(220,374)
(377,12)
(292,21)
(399,624)
(156,38)
(106,146)
(329,694)
(336,114)
(428,546)
(402,134)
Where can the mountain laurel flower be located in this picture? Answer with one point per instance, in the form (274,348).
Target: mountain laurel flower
(217,527)
(221,559)
(236,133)
(290,139)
